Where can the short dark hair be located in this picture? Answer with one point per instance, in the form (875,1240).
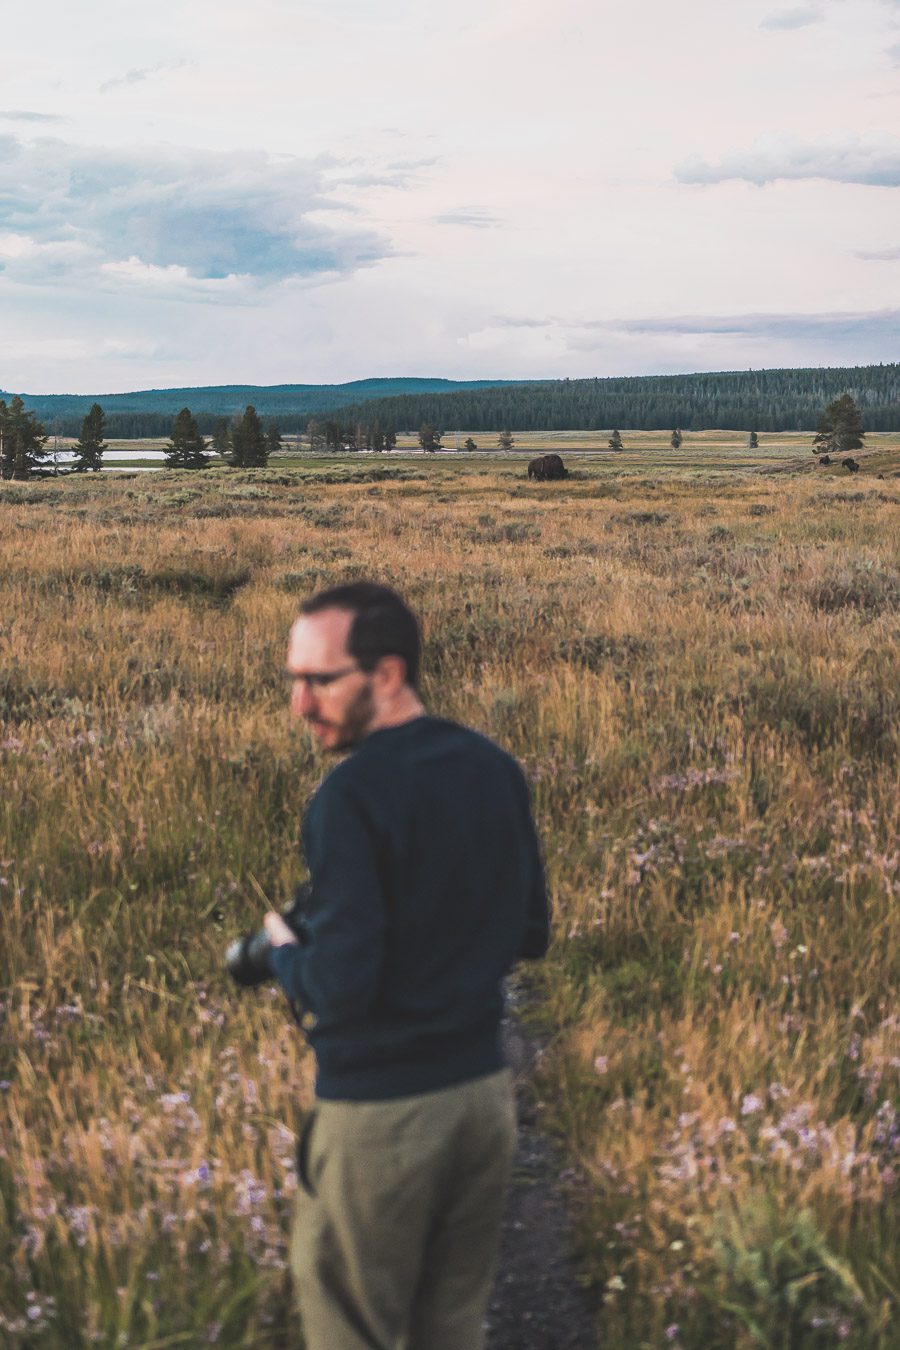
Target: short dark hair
(383,624)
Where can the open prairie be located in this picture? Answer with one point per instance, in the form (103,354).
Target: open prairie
(693,654)
(701,452)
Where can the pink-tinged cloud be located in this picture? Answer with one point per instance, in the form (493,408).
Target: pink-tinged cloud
(869,159)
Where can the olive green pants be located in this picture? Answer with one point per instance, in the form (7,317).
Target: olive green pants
(398,1217)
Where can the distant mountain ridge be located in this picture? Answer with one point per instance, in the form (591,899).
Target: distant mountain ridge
(223,400)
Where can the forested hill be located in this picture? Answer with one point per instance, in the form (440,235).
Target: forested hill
(750,400)
(150,412)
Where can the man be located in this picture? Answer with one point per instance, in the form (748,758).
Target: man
(427,887)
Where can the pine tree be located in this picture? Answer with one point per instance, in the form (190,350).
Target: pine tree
(221,436)
(390,438)
(331,430)
(615,441)
(90,445)
(5,442)
(429,438)
(314,432)
(273,438)
(675,439)
(505,440)
(22,441)
(840,428)
(187,448)
(248,442)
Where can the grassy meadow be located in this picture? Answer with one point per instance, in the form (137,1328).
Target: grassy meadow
(693,654)
(701,452)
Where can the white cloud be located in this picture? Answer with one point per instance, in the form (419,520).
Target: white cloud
(23,115)
(470,217)
(871,159)
(173,282)
(138,74)
(519,321)
(583,334)
(28,260)
(800,17)
(870,323)
(211,215)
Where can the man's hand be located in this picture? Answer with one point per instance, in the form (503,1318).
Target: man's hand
(277,930)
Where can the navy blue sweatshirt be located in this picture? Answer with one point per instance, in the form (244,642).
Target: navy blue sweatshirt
(427,887)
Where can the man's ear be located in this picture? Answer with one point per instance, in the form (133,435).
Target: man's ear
(393,670)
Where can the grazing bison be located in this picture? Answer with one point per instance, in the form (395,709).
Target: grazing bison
(850,464)
(826,459)
(547,469)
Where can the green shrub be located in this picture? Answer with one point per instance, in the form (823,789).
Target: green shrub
(779,1280)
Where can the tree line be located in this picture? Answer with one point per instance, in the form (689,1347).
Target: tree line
(765,400)
(339,434)
(243,442)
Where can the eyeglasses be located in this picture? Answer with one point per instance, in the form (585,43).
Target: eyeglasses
(318,679)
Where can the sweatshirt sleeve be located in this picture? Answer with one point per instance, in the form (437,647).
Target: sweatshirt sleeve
(536,937)
(337,975)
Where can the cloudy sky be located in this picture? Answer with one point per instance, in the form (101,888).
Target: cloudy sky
(206,192)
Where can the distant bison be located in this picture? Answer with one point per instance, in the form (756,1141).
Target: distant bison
(547,469)
(850,464)
(826,459)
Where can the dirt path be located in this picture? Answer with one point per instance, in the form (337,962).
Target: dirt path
(538,1302)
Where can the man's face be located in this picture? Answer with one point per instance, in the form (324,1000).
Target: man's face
(328,690)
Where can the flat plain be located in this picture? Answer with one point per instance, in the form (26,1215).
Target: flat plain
(694,656)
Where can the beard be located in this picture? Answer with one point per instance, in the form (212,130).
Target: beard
(355,723)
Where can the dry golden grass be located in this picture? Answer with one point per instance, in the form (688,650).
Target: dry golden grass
(698,670)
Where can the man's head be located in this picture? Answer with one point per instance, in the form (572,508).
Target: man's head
(353,662)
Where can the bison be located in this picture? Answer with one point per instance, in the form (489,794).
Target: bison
(547,469)
(826,459)
(850,464)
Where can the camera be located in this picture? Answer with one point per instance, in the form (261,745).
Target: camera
(247,958)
